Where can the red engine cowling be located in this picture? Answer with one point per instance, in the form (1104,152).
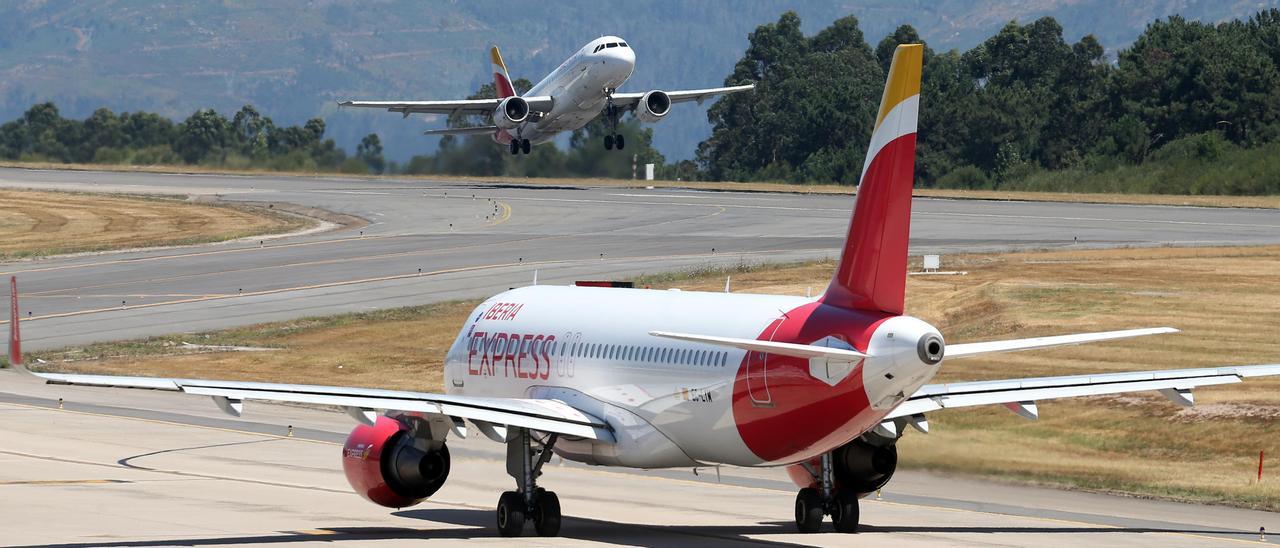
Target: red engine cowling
(386,464)
(857,465)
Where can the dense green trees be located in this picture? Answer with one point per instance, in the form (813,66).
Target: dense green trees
(1019,104)
(206,137)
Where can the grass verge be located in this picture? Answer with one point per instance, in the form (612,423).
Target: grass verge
(40,223)
(1225,300)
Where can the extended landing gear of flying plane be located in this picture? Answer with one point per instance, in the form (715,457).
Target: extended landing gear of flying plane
(525,457)
(813,504)
(520,145)
(611,115)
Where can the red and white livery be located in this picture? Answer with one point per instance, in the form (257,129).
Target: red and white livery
(652,379)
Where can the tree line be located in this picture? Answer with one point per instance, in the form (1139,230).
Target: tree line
(1014,110)
(246,140)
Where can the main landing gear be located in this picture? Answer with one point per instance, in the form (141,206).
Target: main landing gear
(813,504)
(525,457)
(520,145)
(611,114)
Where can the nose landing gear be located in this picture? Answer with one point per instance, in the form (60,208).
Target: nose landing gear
(612,113)
(528,502)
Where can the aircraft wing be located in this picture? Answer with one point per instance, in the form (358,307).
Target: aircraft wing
(541,103)
(629,100)
(479,130)
(1020,395)
(550,416)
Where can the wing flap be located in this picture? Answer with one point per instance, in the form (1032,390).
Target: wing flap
(480,130)
(542,415)
(947,396)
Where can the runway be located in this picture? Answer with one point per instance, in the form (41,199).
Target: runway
(433,241)
(178,473)
(130,468)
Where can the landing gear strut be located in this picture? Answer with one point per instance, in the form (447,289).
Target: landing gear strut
(611,114)
(525,457)
(812,504)
(520,145)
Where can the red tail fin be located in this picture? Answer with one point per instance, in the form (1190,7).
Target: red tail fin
(501,80)
(15,341)
(872,274)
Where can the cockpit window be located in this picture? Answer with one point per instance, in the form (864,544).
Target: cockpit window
(611,45)
(598,48)
(622,44)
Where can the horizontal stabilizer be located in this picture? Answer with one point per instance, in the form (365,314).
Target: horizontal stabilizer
(481,130)
(973,349)
(780,348)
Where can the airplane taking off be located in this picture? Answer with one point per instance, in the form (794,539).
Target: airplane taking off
(824,387)
(583,86)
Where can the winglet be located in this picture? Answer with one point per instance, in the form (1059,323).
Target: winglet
(15,339)
(872,273)
(501,80)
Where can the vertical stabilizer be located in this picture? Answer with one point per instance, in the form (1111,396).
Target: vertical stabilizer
(872,273)
(501,80)
(15,341)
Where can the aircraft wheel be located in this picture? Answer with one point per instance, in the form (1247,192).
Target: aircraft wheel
(808,510)
(546,513)
(619,142)
(525,146)
(844,512)
(515,147)
(608,142)
(510,514)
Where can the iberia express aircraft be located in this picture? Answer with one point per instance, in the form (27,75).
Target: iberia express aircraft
(584,86)
(655,379)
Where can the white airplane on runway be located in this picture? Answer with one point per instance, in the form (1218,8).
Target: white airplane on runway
(657,379)
(582,87)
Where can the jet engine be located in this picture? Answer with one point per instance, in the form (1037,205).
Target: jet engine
(388,465)
(858,466)
(653,106)
(511,112)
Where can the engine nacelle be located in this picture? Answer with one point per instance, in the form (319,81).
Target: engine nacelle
(857,466)
(511,112)
(386,464)
(653,106)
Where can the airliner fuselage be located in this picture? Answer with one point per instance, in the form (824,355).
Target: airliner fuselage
(688,403)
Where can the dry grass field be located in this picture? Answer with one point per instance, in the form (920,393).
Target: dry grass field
(1226,301)
(1268,202)
(37,223)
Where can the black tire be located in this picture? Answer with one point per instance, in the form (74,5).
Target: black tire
(511,514)
(525,146)
(844,511)
(515,147)
(608,142)
(546,513)
(618,142)
(808,510)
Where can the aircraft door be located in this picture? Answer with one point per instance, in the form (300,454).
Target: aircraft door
(758,372)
